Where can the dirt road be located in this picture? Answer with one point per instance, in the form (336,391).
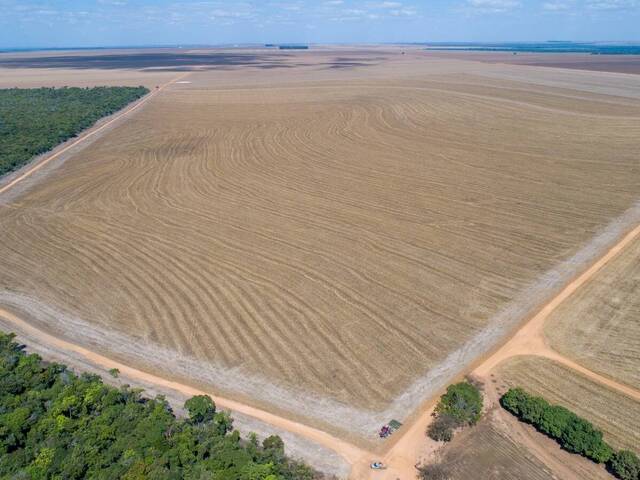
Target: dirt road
(88,134)
(349,452)
(530,340)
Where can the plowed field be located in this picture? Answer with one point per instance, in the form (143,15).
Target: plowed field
(336,242)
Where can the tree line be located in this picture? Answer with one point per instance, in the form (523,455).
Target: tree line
(573,433)
(34,120)
(56,424)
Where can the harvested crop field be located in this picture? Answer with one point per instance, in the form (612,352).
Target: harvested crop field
(599,326)
(333,236)
(617,415)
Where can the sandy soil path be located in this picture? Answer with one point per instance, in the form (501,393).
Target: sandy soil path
(349,452)
(530,340)
(89,133)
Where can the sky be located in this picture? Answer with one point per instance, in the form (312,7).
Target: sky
(88,23)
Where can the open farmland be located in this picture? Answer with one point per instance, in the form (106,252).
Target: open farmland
(599,326)
(335,241)
(617,415)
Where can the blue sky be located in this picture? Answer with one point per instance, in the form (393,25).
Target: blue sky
(60,23)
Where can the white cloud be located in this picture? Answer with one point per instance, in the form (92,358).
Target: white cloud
(555,6)
(117,3)
(386,5)
(374,11)
(354,11)
(496,6)
(404,12)
(612,4)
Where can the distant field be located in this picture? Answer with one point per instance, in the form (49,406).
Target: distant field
(599,326)
(33,121)
(330,230)
(629,64)
(615,414)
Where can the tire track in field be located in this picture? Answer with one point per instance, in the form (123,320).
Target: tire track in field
(331,239)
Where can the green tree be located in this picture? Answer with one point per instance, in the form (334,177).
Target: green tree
(201,408)
(33,121)
(463,402)
(573,433)
(54,425)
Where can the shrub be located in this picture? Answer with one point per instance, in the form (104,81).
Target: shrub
(460,405)
(441,429)
(435,471)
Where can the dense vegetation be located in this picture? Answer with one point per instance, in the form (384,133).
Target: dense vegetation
(461,405)
(33,121)
(55,424)
(573,433)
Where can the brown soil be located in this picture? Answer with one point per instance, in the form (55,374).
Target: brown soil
(498,449)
